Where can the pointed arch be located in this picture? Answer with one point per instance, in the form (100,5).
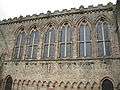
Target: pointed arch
(19,44)
(32,43)
(8,83)
(74,85)
(48,24)
(81,86)
(68,84)
(49,42)
(78,23)
(64,21)
(65,40)
(62,84)
(84,39)
(88,86)
(19,85)
(50,84)
(18,30)
(103,37)
(102,17)
(55,84)
(95,86)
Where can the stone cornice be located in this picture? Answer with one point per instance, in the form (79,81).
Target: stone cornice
(49,14)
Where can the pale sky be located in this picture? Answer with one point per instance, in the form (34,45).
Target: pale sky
(15,8)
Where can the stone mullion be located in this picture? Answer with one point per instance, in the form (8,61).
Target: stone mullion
(56,44)
(74,43)
(94,41)
(40,46)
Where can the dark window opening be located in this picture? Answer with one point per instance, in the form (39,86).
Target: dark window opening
(107,85)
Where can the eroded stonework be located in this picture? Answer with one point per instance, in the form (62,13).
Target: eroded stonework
(59,74)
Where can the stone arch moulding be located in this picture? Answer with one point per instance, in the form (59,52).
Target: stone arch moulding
(64,21)
(48,24)
(18,30)
(32,26)
(104,17)
(78,23)
(108,79)
(8,83)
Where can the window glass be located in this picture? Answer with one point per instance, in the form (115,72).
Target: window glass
(105,26)
(52,51)
(89,49)
(100,49)
(81,49)
(69,34)
(62,48)
(35,49)
(69,50)
(108,48)
(20,41)
(36,40)
(81,33)
(88,33)
(45,51)
(99,31)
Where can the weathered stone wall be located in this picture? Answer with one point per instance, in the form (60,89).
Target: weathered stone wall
(75,73)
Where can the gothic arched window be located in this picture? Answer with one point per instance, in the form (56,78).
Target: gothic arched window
(65,41)
(85,48)
(20,41)
(8,83)
(103,40)
(32,44)
(49,43)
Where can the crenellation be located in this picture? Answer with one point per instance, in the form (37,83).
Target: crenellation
(75,72)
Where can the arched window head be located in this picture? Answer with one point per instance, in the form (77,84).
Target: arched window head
(49,43)
(19,46)
(85,48)
(65,41)
(8,83)
(32,44)
(103,39)
(107,85)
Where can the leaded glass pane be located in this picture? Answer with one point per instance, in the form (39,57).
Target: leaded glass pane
(99,31)
(69,34)
(108,48)
(69,50)
(100,49)
(88,33)
(62,50)
(52,51)
(88,49)
(21,52)
(23,39)
(62,34)
(106,31)
(82,49)
(45,51)
(35,47)
(52,39)
(36,39)
(82,33)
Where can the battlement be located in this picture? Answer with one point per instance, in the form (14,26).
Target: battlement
(80,10)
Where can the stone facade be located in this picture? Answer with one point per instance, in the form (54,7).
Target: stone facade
(59,74)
